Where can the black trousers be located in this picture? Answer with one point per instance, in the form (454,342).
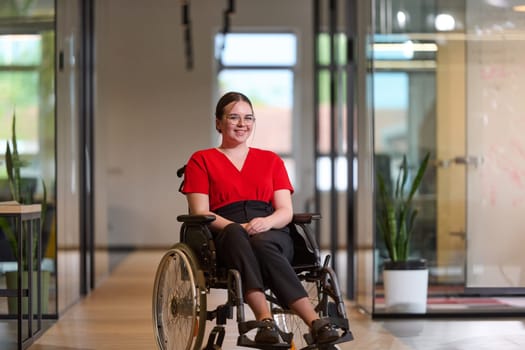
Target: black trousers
(264,259)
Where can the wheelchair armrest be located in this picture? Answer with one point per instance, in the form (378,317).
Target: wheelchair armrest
(196,219)
(305,218)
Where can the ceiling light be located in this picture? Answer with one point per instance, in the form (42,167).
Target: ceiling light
(401,19)
(445,22)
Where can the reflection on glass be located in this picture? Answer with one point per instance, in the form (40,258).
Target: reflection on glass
(495,162)
(458,96)
(22,50)
(27,90)
(324,49)
(404,124)
(324,173)
(391,94)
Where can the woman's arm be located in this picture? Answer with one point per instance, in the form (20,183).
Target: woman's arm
(282,216)
(199,204)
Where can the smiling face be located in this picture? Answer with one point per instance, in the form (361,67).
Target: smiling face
(236,123)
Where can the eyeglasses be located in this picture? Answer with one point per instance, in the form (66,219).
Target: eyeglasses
(234,119)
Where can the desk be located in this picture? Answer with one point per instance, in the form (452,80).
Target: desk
(26,222)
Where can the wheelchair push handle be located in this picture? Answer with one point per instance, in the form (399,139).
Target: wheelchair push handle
(181,170)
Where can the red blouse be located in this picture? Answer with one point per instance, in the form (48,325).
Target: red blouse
(211,172)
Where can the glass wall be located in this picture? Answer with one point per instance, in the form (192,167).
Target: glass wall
(27,111)
(445,81)
(27,91)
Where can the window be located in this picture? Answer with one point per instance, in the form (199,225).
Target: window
(324,109)
(261,66)
(20,57)
(27,89)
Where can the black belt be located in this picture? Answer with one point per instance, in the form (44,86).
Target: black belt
(244,211)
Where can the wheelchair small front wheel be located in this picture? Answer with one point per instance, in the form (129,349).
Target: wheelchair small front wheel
(289,322)
(179,301)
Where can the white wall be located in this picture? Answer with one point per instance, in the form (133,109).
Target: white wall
(151,113)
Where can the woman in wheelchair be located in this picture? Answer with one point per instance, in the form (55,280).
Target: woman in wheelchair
(249,192)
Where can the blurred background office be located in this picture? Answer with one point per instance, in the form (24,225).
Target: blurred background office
(112,97)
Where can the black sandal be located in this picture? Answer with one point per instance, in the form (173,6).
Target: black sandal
(267,333)
(324,332)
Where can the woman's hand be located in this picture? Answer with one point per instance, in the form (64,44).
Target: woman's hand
(282,201)
(258,225)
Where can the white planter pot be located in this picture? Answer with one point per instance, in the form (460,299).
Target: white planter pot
(405,288)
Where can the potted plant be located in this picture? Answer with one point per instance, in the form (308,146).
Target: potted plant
(405,279)
(21,195)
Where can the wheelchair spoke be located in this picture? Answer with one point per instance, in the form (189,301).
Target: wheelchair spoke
(177,303)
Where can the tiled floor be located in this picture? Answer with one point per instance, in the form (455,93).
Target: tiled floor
(117,315)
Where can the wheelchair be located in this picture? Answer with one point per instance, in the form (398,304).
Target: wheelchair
(189,271)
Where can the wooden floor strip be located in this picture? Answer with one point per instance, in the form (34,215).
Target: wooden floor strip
(117,316)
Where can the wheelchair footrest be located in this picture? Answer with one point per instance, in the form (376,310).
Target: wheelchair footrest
(320,347)
(243,340)
(345,335)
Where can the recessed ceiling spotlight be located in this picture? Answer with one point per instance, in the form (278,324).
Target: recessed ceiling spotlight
(445,22)
(402,18)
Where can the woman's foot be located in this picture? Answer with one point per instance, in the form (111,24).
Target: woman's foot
(267,332)
(323,331)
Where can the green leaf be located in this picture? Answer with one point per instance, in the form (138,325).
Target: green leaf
(10,235)
(419,176)
(44,207)
(396,216)
(14,164)
(10,172)
(404,176)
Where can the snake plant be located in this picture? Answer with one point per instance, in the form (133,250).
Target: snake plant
(396,214)
(14,164)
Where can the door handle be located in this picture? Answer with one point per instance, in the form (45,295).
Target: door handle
(460,234)
(474,161)
(469,160)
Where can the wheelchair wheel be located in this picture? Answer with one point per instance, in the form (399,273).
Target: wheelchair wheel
(179,301)
(289,322)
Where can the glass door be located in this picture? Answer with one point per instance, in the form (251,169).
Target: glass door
(495,158)
(447,79)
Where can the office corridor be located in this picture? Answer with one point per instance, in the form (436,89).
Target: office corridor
(117,315)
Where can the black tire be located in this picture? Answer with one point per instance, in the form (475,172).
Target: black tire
(179,301)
